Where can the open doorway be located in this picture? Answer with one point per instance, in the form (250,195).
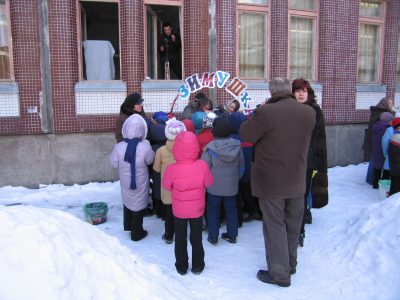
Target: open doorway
(99,23)
(156,17)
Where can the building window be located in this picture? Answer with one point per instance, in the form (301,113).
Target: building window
(370,41)
(6,70)
(160,47)
(398,61)
(252,50)
(302,41)
(99,40)
(252,39)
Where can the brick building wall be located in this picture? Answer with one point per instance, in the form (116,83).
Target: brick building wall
(392,28)
(338,23)
(279,38)
(26,53)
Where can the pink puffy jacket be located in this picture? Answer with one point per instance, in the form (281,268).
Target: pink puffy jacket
(135,200)
(187,178)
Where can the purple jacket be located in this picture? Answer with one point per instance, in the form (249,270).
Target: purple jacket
(378,130)
(135,200)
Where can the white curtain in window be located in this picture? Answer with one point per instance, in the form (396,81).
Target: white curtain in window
(303,4)
(371,8)
(301,48)
(252,45)
(368,52)
(4,54)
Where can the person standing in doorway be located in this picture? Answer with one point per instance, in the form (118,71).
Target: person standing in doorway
(169,45)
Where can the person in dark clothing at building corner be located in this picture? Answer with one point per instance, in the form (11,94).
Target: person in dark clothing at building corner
(171,43)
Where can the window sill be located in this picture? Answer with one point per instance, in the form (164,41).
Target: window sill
(371,88)
(101,86)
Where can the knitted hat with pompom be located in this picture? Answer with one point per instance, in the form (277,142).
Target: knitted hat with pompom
(173,128)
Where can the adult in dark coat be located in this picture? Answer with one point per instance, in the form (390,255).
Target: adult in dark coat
(281,132)
(378,159)
(304,94)
(385,105)
(133,104)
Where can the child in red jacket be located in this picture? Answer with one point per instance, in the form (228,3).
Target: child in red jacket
(187,179)
(205,136)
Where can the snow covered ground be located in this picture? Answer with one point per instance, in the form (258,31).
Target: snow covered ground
(48,251)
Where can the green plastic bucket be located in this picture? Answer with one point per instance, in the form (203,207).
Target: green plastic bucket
(384,188)
(95,213)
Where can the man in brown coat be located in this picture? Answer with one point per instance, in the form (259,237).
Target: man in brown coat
(281,131)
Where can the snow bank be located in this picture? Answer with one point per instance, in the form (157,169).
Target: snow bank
(371,247)
(50,254)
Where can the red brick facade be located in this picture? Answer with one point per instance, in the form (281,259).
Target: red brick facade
(336,70)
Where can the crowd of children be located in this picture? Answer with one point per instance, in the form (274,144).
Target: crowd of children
(198,170)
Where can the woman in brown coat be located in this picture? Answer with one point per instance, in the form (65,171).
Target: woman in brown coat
(133,104)
(317,154)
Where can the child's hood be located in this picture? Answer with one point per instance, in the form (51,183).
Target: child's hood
(227,149)
(186,147)
(134,127)
(158,132)
(236,119)
(197,119)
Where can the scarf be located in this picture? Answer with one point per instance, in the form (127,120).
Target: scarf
(130,157)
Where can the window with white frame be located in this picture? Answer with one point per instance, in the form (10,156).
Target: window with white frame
(398,61)
(163,45)
(99,40)
(252,39)
(5,44)
(302,39)
(370,41)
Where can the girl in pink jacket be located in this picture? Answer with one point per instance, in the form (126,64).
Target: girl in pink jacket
(131,157)
(187,179)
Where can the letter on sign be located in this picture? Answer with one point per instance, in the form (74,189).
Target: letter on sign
(208,80)
(245,99)
(222,78)
(236,87)
(183,92)
(193,83)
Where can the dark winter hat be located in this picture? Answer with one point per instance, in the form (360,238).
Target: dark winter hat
(133,99)
(221,127)
(386,117)
(396,123)
(208,120)
(161,120)
(200,95)
(159,114)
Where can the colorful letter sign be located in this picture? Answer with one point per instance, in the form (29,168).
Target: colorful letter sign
(236,87)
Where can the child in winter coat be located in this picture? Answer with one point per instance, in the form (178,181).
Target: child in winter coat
(189,125)
(186,179)
(205,136)
(157,130)
(251,203)
(164,158)
(385,143)
(394,158)
(225,159)
(197,119)
(131,157)
(378,159)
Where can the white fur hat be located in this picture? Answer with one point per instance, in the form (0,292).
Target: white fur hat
(173,128)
